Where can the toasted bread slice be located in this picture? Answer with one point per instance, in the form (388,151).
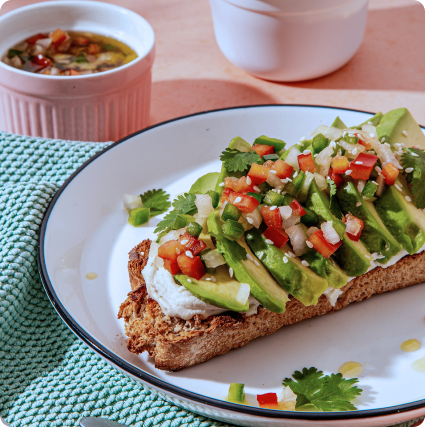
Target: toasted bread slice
(178,344)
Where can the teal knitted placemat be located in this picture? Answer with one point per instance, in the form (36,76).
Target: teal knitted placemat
(48,377)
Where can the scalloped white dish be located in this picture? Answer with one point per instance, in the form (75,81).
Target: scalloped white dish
(85,230)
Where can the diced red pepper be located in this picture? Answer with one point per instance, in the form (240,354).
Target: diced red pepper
(317,239)
(268,399)
(58,37)
(258,174)
(276,235)
(81,41)
(170,250)
(283,170)
(340,164)
(352,218)
(93,49)
(171,266)
(33,39)
(192,267)
(306,163)
(74,73)
(336,177)
(362,166)
(41,61)
(365,144)
(390,173)
(297,208)
(240,185)
(225,195)
(192,244)
(262,149)
(271,216)
(243,202)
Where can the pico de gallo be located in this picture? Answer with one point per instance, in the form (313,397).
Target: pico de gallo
(68,53)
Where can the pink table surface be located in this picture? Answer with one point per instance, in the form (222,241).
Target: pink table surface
(190,74)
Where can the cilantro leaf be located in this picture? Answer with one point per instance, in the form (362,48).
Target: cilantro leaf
(156,200)
(183,204)
(323,392)
(226,246)
(415,158)
(334,205)
(235,160)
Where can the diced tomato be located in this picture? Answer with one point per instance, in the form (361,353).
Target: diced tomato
(58,37)
(192,244)
(170,250)
(93,49)
(317,239)
(365,144)
(297,208)
(243,202)
(336,177)
(390,173)
(81,41)
(268,399)
(74,73)
(283,170)
(171,266)
(241,185)
(306,163)
(192,267)
(355,222)
(340,164)
(362,166)
(262,149)
(271,216)
(258,174)
(33,39)
(225,195)
(41,60)
(277,235)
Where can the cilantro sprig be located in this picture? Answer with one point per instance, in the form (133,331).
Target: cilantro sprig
(238,161)
(415,158)
(334,205)
(316,391)
(157,201)
(183,204)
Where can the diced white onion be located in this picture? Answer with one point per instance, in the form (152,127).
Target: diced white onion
(285,211)
(246,224)
(353,227)
(298,239)
(172,235)
(213,259)
(386,155)
(204,204)
(159,262)
(329,233)
(255,216)
(292,158)
(381,185)
(132,202)
(243,293)
(292,220)
(311,231)
(329,132)
(200,219)
(349,148)
(44,42)
(274,181)
(324,159)
(361,185)
(320,181)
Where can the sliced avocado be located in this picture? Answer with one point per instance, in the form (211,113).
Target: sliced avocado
(226,292)
(351,256)
(339,124)
(247,269)
(237,143)
(278,144)
(375,235)
(394,123)
(326,268)
(403,219)
(375,120)
(205,183)
(299,281)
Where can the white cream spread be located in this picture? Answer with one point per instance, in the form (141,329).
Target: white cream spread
(332,295)
(175,300)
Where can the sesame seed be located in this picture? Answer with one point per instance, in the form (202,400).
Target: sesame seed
(369,123)
(409,170)
(272,171)
(256,189)
(316,155)
(190,281)
(208,279)
(358,163)
(189,254)
(238,200)
(383,139)
(306,152)
(405,133)
(378,169)
(291,254)
(348,172)
(270,242)
(289,179)
(142,253)
(213,279)
(183,242)
(387,145)
(413,154)
(295,174)
(332,144)
(231,272)
(256,263)
(372,135)
(402,145)
(285,260)
(309,244)
(177,251)
(398,187)
(408,198)
(248,180)
(354,151)
(250,220)
(358,204)
(272,208)
(221,184)
(303,138)
(374,182)
(305,263)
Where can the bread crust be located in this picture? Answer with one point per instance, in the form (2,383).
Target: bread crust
(177,344)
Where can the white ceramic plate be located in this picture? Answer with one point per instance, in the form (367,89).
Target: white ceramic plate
(85,231)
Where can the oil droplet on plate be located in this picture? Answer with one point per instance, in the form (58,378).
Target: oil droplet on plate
(419,365)
(91,276)
(411,345)
(351,369)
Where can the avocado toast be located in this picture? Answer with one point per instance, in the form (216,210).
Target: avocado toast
(280,235)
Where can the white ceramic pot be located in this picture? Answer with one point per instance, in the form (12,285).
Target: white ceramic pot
(98,107)
(289,40)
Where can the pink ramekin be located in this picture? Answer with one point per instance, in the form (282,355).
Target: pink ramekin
(97,107)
